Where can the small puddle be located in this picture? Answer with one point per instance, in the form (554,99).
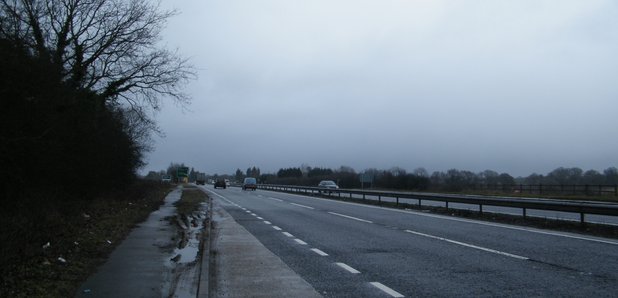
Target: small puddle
(184,260)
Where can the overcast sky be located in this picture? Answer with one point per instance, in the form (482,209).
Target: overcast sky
(512,86)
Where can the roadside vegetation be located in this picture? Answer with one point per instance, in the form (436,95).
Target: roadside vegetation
(79,83)
(49,251)
(191,200)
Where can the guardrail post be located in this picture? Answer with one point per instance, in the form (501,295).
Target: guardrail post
(524,212)
(363,197)
(397,201)
(379,200)
(481,209)
(446,205)
(420,204)
(581,218)
(350,195)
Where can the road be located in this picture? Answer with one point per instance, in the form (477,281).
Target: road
(567,216)
(350,250)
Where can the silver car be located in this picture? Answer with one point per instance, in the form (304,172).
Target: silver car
(328,184)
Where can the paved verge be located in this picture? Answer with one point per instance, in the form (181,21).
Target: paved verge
(242,267)
(139,266)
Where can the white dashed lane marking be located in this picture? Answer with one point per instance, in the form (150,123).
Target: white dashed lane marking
(288,234)
(319,252)
(299,205)
(469,245)
(267,222)
(348,268)
(277,228)
(300,242)
(351,217)
(386,289)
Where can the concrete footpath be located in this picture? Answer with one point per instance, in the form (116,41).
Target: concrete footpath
(140,265)
(240,266)
(233,262)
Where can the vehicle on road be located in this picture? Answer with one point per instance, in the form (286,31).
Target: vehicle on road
(200,178)
(327,185)
(249,183)
(166,179)
(220,183)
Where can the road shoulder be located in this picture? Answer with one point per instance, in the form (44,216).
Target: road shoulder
(242,267)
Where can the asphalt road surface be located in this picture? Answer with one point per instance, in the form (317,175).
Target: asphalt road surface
(350,250)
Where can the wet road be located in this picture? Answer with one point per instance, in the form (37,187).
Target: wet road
(350,250)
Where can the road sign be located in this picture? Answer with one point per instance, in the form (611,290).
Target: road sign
(182,172)
(366,178)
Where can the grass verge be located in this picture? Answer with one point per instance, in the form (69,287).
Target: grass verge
(49,249)
(190,201)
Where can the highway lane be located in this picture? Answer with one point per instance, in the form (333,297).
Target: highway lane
(346,249)
(569,216)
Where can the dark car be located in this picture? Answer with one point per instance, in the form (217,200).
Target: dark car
(249,183)
(220,183)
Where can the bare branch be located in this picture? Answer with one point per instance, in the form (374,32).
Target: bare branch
(107,46)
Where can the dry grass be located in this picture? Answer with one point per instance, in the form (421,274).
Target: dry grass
(190,201)
(82,233)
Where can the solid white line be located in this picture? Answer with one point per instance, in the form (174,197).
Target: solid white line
(469,245)
(277,228)
(300,242)
(348,268)
(351,217)
(267,222)
(319,252)
(386,289)
(275,199)
(288,234)
(299,205)
(218,195)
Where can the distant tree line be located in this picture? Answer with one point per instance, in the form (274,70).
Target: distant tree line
(574,176)
(451,180)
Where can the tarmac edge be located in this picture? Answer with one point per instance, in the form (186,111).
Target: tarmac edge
(241,266)
(205,248)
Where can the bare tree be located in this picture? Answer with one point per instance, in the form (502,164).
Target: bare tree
(105,46)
